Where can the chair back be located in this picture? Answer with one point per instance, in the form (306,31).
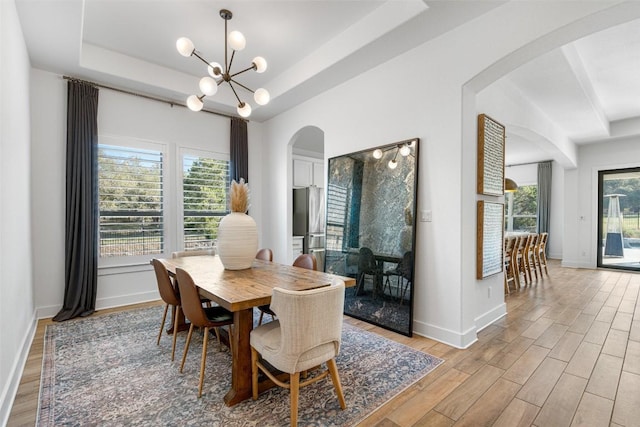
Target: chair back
(198,252)
(542,241)
(310,324)
(523,243)
(405,266)
(533,242)
(265,254)
(167,292)
(367,261)
(510,244)
(307,261)
(191,303)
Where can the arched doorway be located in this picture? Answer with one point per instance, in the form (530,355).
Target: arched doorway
(307,190)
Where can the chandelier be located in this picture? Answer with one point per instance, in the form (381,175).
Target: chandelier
(219,74)
(403,148)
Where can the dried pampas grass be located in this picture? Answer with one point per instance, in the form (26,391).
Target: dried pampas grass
(239,194)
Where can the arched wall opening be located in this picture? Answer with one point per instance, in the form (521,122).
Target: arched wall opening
(585,26)
(305,149)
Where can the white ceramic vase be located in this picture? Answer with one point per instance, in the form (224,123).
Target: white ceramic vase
(237,241)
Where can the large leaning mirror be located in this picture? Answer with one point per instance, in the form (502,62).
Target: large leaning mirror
(371,211)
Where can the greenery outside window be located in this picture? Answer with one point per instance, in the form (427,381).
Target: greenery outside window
(205,198)
(521,213)
(131,202)
(139,184)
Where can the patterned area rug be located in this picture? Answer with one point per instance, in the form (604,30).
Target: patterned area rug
(107,370)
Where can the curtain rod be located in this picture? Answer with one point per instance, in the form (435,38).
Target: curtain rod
(153,98)
(530,163)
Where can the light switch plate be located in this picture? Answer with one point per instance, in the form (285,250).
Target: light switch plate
(425,216)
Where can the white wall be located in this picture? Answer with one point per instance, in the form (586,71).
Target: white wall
(17,316)
(428,99)
(581,207)
(555,243)
(119,115)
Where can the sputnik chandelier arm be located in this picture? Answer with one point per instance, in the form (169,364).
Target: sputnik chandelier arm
(404,148)
(219,74)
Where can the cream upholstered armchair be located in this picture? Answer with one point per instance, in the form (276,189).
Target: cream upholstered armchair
(307,333)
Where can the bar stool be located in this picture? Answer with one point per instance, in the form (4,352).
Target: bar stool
(541,253)
(530,254)
(509,260)
(522,261)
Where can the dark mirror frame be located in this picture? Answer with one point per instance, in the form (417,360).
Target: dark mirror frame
(372,206)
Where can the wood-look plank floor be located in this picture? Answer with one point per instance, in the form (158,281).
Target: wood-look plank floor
(567,354)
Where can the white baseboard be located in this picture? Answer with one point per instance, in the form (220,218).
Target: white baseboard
(460,340)
(11,388)
(104,303)
(491,316)
(576,264)
(452,338)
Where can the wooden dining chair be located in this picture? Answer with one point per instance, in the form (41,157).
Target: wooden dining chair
(541,253)
(265,254)
(307,333)
(514,260)
(402,271)
(509,262)
(307,261)
(522,263)
(199,252)
(530,254)
(207,318)
(170,297)
(367,265)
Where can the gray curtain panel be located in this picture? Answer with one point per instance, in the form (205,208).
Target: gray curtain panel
(544,196)
(81,222)
(239,154)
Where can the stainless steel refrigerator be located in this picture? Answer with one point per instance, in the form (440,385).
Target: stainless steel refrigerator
(309,221)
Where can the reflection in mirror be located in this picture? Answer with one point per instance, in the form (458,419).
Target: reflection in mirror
(371,206)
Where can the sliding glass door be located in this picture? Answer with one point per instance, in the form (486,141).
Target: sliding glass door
(619,219)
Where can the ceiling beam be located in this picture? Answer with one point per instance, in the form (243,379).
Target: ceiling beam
(577,67)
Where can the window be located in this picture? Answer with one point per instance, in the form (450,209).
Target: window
(205,193)
(618,243)
(336,217)
(521,214)
(131,198)
(152,204)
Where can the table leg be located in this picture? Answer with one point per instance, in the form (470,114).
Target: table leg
(241,361)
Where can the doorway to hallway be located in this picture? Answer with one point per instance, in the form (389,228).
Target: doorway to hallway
(619,219)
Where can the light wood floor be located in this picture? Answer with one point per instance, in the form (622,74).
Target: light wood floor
(568,353)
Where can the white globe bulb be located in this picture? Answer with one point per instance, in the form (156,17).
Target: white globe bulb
(237,40)
(194,103)
(260,63)
(208,86)
(377,153)
(405,150)
(261,96)
(185,46)
(244,109)
(392,164)
(212,68)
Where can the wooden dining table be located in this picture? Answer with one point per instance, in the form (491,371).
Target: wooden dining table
(239,291)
